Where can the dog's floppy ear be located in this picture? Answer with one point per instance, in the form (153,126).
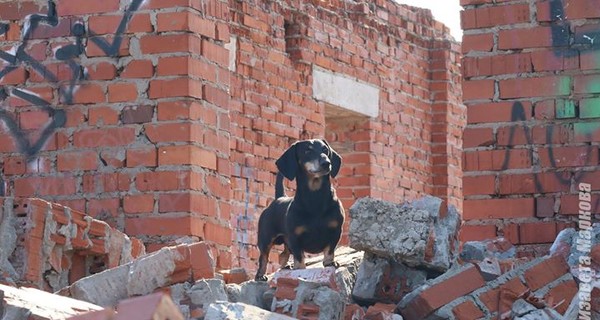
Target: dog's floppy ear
(287,164)
(336,160)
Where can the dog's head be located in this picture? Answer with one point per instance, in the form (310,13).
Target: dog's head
(315,157)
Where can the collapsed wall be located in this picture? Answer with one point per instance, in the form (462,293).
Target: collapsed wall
(49,246)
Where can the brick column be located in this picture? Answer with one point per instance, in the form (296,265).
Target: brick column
(531,74)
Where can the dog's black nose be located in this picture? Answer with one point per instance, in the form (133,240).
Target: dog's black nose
(326,165)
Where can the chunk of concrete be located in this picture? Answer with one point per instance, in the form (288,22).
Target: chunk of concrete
(252,293)
(205,292)
(416,233)
(476,251)
(384,280)
(143,275)
(234,311)
(301,299)
(574,245)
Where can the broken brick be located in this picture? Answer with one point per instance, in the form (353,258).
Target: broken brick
(467,311)
(545,272)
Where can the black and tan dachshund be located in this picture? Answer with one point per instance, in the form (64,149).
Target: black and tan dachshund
(311,221)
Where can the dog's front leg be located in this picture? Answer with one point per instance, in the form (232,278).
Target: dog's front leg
(329,256)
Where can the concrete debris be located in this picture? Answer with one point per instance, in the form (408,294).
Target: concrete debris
(237,310)
(302,299)
(30,303)
(415,234)
(186,262)
(499,248)
(385,280)
(205,292)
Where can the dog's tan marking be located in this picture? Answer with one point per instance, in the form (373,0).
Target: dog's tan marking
(333,224)
(299,230)
(327,256)
(314,184)
(284,257)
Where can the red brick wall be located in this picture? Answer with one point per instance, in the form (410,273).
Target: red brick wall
(392,156)
(531,75)
(143,140)
(165,119)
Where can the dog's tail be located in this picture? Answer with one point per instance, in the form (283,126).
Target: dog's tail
(279,192)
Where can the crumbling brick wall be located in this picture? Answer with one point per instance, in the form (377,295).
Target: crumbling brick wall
(411,147)
(530,71)
(164,118)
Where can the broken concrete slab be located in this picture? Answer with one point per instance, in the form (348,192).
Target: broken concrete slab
(414,234)
(384,280)
(186,262)
(229,311)
(30,303)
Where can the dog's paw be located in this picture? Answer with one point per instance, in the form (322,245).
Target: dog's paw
(261,278)
(332,264)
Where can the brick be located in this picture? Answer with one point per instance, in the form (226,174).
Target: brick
(101,71)
(147,157)
(165,226)
(179,87)
(545,272)
(86,94)
(112,137)
(173,132)
(215,52)
(153,44)
(535,87)
(122,92)
(137,114)
(517,184)
(478,42)
(562,294)
(479,185)
(467,311)
(93,50)
(554,60)
(586,84)
(589,60)
(143,203)
(77,160)
(138,69)
(498,208)
(463,282)
(149,307)
(477,232)
(536,37)
(187,155)
(163,181)
(202,261)
(478,90)
(586,131)
(569,204)
(108,24)
(74,7)
(380,311)
(492,299)
(537,232)
(565,109)
(217,233)
(514,135)
(498,112)
(559,157)
(544,207)
(487,160)
(324,276)
(477,137)
(501,15)
(588,108)
(103,116)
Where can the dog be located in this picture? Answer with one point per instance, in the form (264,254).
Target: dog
(312,220)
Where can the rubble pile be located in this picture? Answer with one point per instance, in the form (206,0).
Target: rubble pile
(379,277)
(49,246)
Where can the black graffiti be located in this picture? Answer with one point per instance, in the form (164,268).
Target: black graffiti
(560,37)
(69,54)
